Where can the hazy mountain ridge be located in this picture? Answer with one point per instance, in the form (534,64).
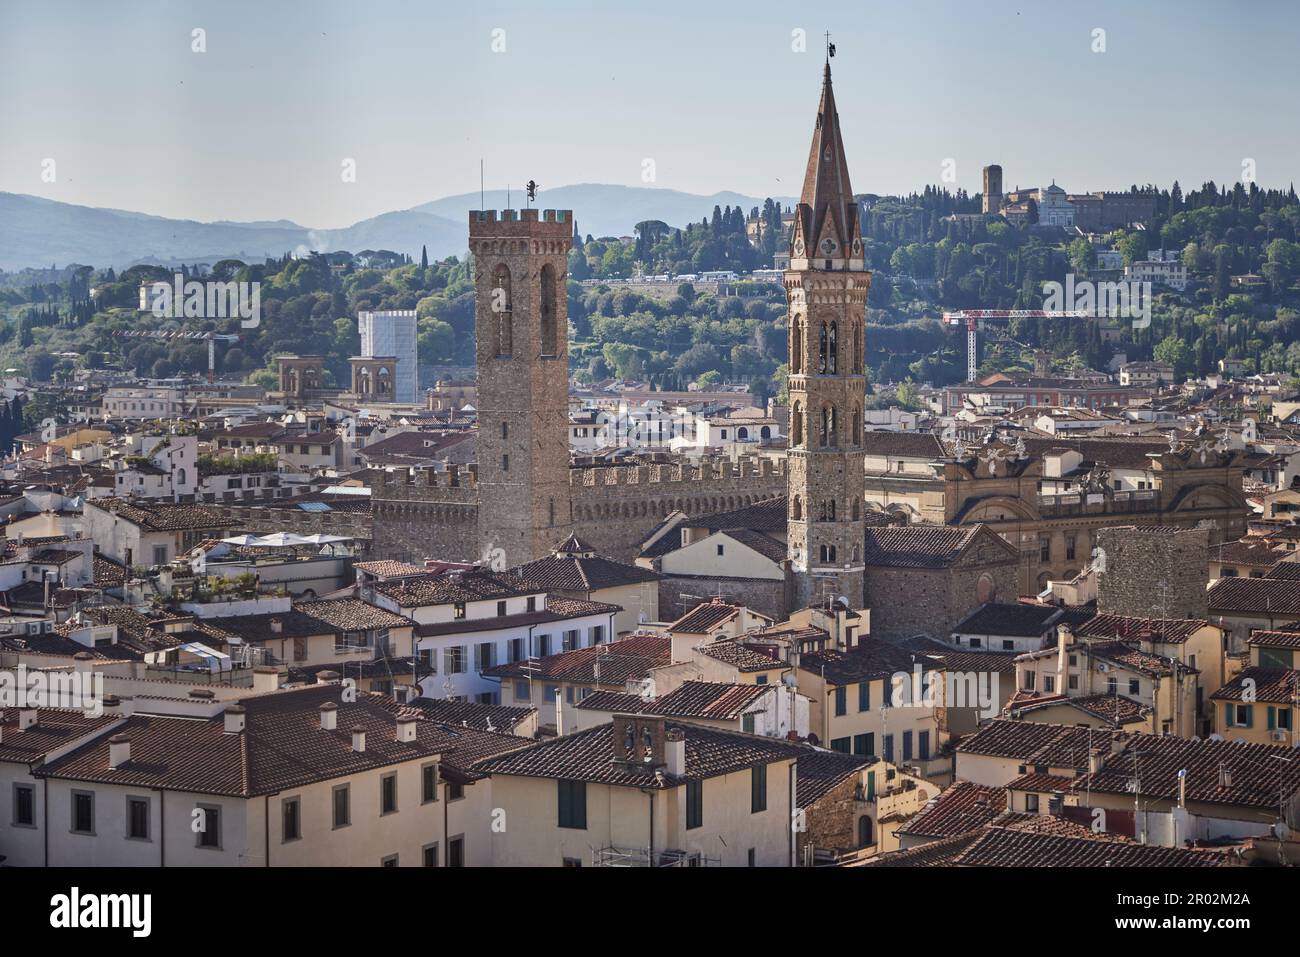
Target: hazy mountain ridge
(38,232)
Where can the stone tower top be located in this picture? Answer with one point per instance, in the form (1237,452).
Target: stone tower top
(827,231)
(552,224)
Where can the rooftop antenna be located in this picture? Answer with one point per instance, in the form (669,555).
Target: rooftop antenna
(481,200)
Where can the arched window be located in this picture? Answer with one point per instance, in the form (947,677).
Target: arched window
(857,509)
(827,553)
(796,347)
(796,424)
(505,430)
(765,432)
(180,476)
(834,349)
(796,509)
(828,436)
(742,433)
(865,837)
(858,357)
(549,319)
(855,437)
(822,350)
(502,310)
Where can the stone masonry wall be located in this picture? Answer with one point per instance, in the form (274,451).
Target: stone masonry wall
(1152,571)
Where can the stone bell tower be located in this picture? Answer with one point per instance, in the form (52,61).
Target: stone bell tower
(522,353)
(826,293)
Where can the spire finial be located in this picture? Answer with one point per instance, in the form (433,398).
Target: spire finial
(830,52)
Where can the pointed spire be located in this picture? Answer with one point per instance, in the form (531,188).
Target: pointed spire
(827,214)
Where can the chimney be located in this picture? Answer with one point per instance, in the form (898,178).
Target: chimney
(406,727)
(277,626)
(326,677)
(1225,776)
(119,750)
(112,705)
(83,661)
(559,712)
(675,752)
(1062,640)
(329,716)
(1094,762)
(202,694)
(265,679)
(234,718)
(359,739)
(26,719)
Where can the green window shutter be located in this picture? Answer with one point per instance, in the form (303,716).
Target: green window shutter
(1250,716)
(871,785)
(1272,717)
(1227,715)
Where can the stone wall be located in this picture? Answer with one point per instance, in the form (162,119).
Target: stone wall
(1153,571)
(930,601)
(678,594)
(435,514)
(831,824)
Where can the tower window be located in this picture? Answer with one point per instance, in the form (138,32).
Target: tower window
(505,430)
(549,319)
(505,463)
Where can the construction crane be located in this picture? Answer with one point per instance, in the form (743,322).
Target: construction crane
(211,338)
(974,319)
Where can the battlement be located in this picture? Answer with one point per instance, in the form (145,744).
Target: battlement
(452,484)
(552,224)
(710,470)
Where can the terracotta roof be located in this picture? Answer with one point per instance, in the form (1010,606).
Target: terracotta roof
(1279,685)
(352,614)
(1257,776)
(917,445)
(1032,743)
(582,573)
(1137,660)
(707,699)
(1116,708)
(1254,552)
(1130,628)
(55,728)
(590,756)
(768,515)
(765,545)
(390,568)
(1274,639)
(1260,595)
(620,702)
(963,807)
(165,516)
(630,657)
(938,853)
(460,713)
(1015,620)
(869,659)
(445,588)
(740,657)
(282,746)
(922,546)
(1006,847)
(704,617)
(819,771)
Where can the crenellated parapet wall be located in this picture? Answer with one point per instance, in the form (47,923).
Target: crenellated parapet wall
(434,513)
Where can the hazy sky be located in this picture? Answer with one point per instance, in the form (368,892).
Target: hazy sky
(258,126)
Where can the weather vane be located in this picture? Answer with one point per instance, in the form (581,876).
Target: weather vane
(830,47)
(532,191)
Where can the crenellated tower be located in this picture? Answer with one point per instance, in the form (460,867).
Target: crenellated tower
(826,294)
(522,353)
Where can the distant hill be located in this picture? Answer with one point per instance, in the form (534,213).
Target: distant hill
(42,232)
